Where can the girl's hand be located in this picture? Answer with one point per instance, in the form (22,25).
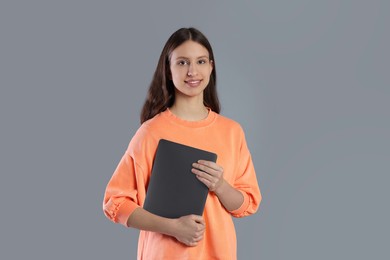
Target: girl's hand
(210,173)
(189,229)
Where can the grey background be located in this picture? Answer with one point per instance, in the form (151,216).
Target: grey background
(308,80)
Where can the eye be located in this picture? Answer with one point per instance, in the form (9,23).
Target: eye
(202,61)
(182,62)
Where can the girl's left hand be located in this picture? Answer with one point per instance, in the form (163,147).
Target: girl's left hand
(210,173)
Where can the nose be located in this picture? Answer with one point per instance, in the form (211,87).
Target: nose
(192,70)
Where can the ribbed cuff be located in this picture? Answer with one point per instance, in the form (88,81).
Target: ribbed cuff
(124,212)
(241,210)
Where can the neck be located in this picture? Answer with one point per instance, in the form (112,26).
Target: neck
(190,109)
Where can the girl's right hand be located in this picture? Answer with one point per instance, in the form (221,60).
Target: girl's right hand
(189,229)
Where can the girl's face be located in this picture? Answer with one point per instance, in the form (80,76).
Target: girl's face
(190,69)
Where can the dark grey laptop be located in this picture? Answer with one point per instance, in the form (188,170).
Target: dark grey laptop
(173,190)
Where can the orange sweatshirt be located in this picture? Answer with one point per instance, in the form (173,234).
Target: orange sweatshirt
(127,187)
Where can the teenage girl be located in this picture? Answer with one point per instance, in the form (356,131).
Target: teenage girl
(182,106)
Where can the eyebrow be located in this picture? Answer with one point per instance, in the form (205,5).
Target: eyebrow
(186,58)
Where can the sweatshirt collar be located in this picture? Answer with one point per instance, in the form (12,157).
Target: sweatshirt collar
(200,123)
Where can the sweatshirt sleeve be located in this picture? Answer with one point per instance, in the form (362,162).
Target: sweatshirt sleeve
(246,182)
(124,191)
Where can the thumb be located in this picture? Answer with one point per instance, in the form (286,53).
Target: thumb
(198,219)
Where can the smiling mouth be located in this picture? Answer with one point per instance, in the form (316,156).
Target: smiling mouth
(192,83)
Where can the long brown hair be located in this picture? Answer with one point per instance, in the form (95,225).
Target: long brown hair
(161,93)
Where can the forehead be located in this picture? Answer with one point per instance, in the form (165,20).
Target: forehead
(190,49)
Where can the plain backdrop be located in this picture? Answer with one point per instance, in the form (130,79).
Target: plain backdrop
(308,80)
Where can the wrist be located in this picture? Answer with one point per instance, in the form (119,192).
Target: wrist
(168,227)
(221,188)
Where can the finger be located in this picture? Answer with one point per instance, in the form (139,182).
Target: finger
(192,244)
(210,164)
(198,219)
(211,185)
(200,228)
(210,168)
(198,238)
(206,182)
(203,174)
(202,168)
